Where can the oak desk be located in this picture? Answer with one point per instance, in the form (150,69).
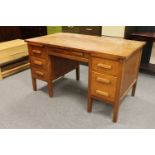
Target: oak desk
(113,64)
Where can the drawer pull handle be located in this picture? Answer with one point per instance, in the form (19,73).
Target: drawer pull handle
(38,63)
(107,81)
(102,93)
(36,51)
(104,66)
(39,73)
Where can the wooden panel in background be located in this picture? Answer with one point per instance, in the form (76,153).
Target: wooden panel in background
(88,30)
(13,57)
(21,32)
(91,30)
(9,33)
(32,31)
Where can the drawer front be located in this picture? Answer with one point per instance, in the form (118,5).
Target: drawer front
(38,63)
(39,74)
(37,51)
(91,30)
(68,52)
(103,86)
(105,66)
(70,29)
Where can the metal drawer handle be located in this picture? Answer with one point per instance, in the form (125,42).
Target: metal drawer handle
(107,81)
(89,29)
(36,51)
(39,73)
(104,66)
(38,62)
(102,93)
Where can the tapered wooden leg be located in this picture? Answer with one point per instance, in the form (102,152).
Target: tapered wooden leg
(89,104)
(134,89)
(34,84)
(1,74)
(115,112)
(50,88)
(78,73)
(50,78)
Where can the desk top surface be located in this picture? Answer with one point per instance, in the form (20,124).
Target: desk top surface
(102,45)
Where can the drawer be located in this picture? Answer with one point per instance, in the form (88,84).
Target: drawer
(91,30)
(37,51)
(38,63)
(105,66)
(70,29)
(68,52)
(39,74)
(103,86)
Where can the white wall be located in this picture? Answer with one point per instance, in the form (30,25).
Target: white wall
(113,31)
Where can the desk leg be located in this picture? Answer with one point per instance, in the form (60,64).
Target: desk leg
(50,78)
(90,100)
(1,77)
(115,111)
(50,88)
(78,72)
(134,89)
(34,84)
(34,81)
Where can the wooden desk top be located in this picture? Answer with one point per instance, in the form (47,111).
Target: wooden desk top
(101,45)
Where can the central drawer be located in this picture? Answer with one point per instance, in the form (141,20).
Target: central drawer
(67,52)
(103,86)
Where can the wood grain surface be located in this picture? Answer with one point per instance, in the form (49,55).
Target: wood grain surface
(113,64)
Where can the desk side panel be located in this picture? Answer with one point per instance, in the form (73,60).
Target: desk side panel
(130,72)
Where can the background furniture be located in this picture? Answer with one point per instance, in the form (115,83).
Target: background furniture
(9,33)
(21,32)
(14,52)
(149,37)
(111,73)
(32,31)
(89,30)
(13,57)
(143,33)
(24,32)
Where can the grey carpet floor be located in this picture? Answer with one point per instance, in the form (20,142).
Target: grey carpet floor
(21,107)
